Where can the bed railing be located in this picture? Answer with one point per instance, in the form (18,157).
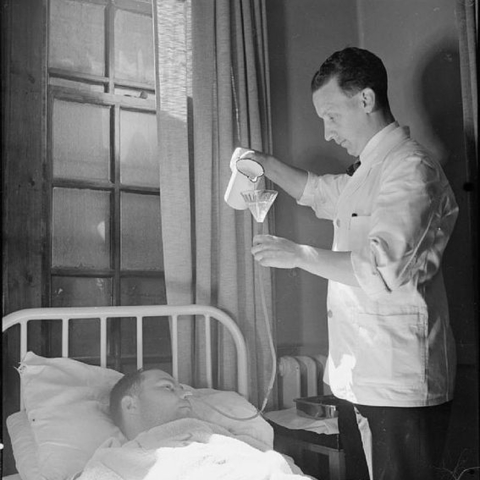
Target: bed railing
(22,317)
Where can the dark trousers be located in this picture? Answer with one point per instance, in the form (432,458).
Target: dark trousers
(407,443)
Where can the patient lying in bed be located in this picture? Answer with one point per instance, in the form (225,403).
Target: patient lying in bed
(168,436)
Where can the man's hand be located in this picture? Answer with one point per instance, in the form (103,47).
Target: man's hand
(290,179)
(259,157)
(271,251)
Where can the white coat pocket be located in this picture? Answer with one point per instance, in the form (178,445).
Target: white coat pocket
(391,349)
(358,232)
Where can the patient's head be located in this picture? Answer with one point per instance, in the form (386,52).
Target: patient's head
(145,399)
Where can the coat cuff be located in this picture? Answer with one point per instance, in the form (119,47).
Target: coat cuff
(368,276)
(308,195)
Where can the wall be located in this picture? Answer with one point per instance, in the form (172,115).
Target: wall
(301,36)
(23,162)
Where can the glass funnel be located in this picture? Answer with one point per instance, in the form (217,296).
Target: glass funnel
(259,202)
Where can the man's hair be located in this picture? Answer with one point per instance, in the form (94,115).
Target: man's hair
(354,69)
(129,384)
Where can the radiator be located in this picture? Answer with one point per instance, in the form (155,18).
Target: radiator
(300,376)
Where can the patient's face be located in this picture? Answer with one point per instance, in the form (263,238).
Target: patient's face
(161,399)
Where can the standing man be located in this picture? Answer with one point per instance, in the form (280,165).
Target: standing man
(391,350)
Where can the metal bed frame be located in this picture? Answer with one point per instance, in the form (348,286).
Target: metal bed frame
(195,312)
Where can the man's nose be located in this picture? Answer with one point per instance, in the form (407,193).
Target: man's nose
(328,133)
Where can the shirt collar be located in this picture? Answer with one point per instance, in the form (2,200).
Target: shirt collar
(375,141)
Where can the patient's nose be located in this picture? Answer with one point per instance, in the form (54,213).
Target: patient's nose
(182,393)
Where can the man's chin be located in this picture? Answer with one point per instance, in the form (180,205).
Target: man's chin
(350,151)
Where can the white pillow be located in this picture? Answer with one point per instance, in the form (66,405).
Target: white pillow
(67,406)
(23,445)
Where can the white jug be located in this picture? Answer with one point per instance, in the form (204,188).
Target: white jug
(242,180)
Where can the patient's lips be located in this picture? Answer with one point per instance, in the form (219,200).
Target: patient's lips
(185,407)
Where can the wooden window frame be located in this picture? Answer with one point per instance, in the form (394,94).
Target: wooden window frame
(115,103)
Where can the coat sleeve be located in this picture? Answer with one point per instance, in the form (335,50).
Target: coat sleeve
(321,193)
(411,222)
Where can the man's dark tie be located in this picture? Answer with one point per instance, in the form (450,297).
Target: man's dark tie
(352,168)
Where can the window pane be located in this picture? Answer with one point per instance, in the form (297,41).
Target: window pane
(81,291)
(122,335)
(81,228)
(139,164)
(143,291)
(81,140)
(134,47)
(156,330)
(45,338)
(84,339)
(141,233)
(77,36)
(157,345)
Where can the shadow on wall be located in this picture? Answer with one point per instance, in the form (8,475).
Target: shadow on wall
(438,96)
(439,100)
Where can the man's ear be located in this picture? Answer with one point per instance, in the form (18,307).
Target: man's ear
(129,404)
(367,97)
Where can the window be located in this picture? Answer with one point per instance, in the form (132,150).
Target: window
(103,170)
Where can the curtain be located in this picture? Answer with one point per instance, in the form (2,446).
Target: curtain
(173,88)
(467,24)
(212,92)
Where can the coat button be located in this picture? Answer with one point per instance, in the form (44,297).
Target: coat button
(330,314)
(337,222)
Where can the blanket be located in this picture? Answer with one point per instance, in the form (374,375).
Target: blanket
(187,449)
(207,405)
